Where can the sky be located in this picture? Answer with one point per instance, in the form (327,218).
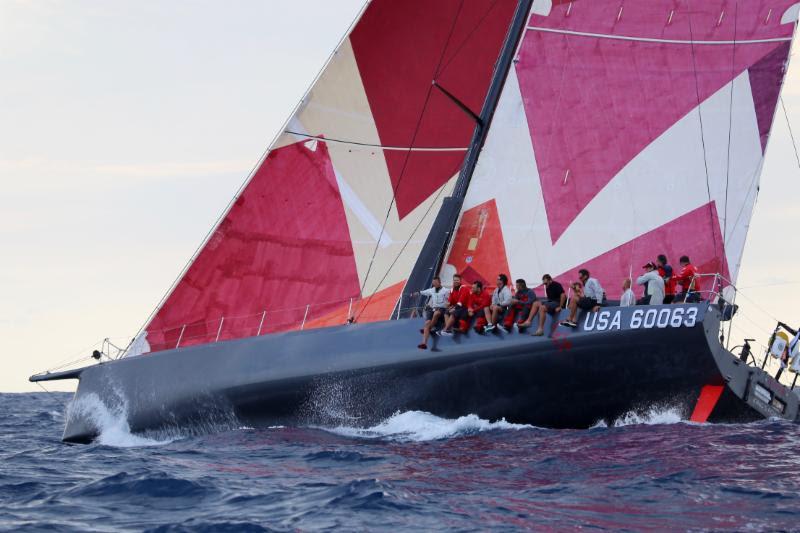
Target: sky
(126,128)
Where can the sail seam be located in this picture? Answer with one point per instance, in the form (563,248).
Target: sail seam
(655,40)
(380,146)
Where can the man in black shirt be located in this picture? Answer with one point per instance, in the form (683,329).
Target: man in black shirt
(555,302)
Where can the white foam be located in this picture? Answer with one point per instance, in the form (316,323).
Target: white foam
(421,426)
(110,422)
(655,416)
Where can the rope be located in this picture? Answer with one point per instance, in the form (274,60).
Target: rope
(702,130)
(397,257)
(469,36)
(730,123)
(408,154)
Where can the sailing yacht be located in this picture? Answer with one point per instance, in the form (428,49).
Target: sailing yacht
(525,137)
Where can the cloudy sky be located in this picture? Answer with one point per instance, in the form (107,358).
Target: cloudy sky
(126,127)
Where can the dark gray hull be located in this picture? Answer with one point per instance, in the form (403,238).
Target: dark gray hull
(360,374)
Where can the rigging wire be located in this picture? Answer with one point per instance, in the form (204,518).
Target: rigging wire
(402,249)
(791,134)
(730,123)
(702,130)
(411,144)
(466,39)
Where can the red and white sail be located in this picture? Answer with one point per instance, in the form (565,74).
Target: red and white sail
(333,219)
(625,130)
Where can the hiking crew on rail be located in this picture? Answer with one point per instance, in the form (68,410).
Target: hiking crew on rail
(454,310)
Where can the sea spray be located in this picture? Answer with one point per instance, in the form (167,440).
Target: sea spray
(110,422)
(653,416)
(422,426)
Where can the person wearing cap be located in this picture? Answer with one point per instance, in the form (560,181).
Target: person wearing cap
(654,285)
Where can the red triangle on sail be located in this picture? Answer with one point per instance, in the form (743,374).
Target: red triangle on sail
(766,79)
(690,235)
(285,244)
(478,251)
(407,46)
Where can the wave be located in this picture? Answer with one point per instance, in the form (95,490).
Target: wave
(111,423)
(417,426)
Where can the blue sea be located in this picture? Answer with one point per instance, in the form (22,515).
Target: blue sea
(412,471)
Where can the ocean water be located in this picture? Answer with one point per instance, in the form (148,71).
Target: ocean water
(412,471)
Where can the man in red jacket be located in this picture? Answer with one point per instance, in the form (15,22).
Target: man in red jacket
(689,282)
(457,310)
(478,301)
(665,271)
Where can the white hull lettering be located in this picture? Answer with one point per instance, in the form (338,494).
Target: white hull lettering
(659,318)
(590,321)
(602,321)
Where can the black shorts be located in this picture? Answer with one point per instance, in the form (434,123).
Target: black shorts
(459,311)
(551,306)
(429,312)
(587,303)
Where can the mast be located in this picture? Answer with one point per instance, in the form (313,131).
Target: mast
(432,254)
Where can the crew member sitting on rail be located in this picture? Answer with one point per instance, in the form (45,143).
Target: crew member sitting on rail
(654,286)
(501,300)
(555,302)
(665,271)
(628,298)
(689,281)
(434,310)
(477,303)
(590,299)
(457,305)
(523,305)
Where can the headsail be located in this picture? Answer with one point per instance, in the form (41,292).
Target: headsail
(333,218)
(626,130)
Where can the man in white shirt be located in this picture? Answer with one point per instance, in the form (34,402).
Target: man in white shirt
(591,299)
(628,298)
(435,308)
(654,285)
(501,299)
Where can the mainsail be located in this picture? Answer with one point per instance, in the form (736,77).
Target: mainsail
(627,129)
(332,220)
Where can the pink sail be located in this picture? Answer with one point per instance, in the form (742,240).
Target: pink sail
(630,129)
(332,221)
